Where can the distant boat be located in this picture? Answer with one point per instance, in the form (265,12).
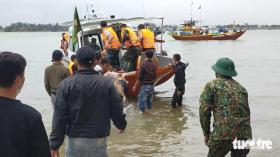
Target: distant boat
(222,36)
(191,32)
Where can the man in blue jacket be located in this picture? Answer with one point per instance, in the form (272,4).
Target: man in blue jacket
(179,81)
(84,106)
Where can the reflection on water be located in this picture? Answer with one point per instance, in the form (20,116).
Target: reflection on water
(151,135)
(163,133)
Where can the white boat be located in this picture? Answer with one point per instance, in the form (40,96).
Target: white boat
(91,29)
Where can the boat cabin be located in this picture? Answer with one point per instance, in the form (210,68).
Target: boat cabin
(92,36)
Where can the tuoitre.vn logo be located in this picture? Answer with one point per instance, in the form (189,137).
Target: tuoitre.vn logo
(252,144)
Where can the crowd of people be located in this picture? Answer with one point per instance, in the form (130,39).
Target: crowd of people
(89,95)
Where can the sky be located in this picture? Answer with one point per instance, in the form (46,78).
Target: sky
(212,12)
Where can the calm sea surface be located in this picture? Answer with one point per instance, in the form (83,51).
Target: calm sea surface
(173,132)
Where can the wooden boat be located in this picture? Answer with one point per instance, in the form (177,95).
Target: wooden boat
(92,30)
(164,73)
(223,36)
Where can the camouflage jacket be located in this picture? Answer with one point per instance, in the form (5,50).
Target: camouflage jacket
(228,102)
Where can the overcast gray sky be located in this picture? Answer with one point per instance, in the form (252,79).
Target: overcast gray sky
(175,11)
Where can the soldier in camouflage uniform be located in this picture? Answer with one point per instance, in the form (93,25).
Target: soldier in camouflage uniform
(228,102)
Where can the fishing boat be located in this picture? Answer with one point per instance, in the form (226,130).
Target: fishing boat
(222,36)
(90,29)
(191,32)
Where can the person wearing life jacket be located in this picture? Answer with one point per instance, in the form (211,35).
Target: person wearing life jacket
(132,44)
(112,44)
(73,65)
(147,42)
(64,43)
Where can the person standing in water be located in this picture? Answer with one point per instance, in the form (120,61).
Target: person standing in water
(227,100)
(179,81)
(145,81)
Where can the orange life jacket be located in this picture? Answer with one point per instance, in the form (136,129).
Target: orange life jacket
(133,40)
(115,43)
(70,67)
(148,39)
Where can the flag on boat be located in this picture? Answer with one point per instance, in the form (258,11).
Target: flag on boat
(199,7)
(76,29)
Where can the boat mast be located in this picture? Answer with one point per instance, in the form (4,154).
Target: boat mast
(161,36)
(191,14)
(200,15)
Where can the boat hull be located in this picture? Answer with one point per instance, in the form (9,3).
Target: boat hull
(163,75)
(231,36)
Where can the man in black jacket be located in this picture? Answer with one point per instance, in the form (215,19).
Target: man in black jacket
(179,81)
(22,133)
(84,106)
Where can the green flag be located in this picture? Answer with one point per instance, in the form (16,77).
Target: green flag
(76,28)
